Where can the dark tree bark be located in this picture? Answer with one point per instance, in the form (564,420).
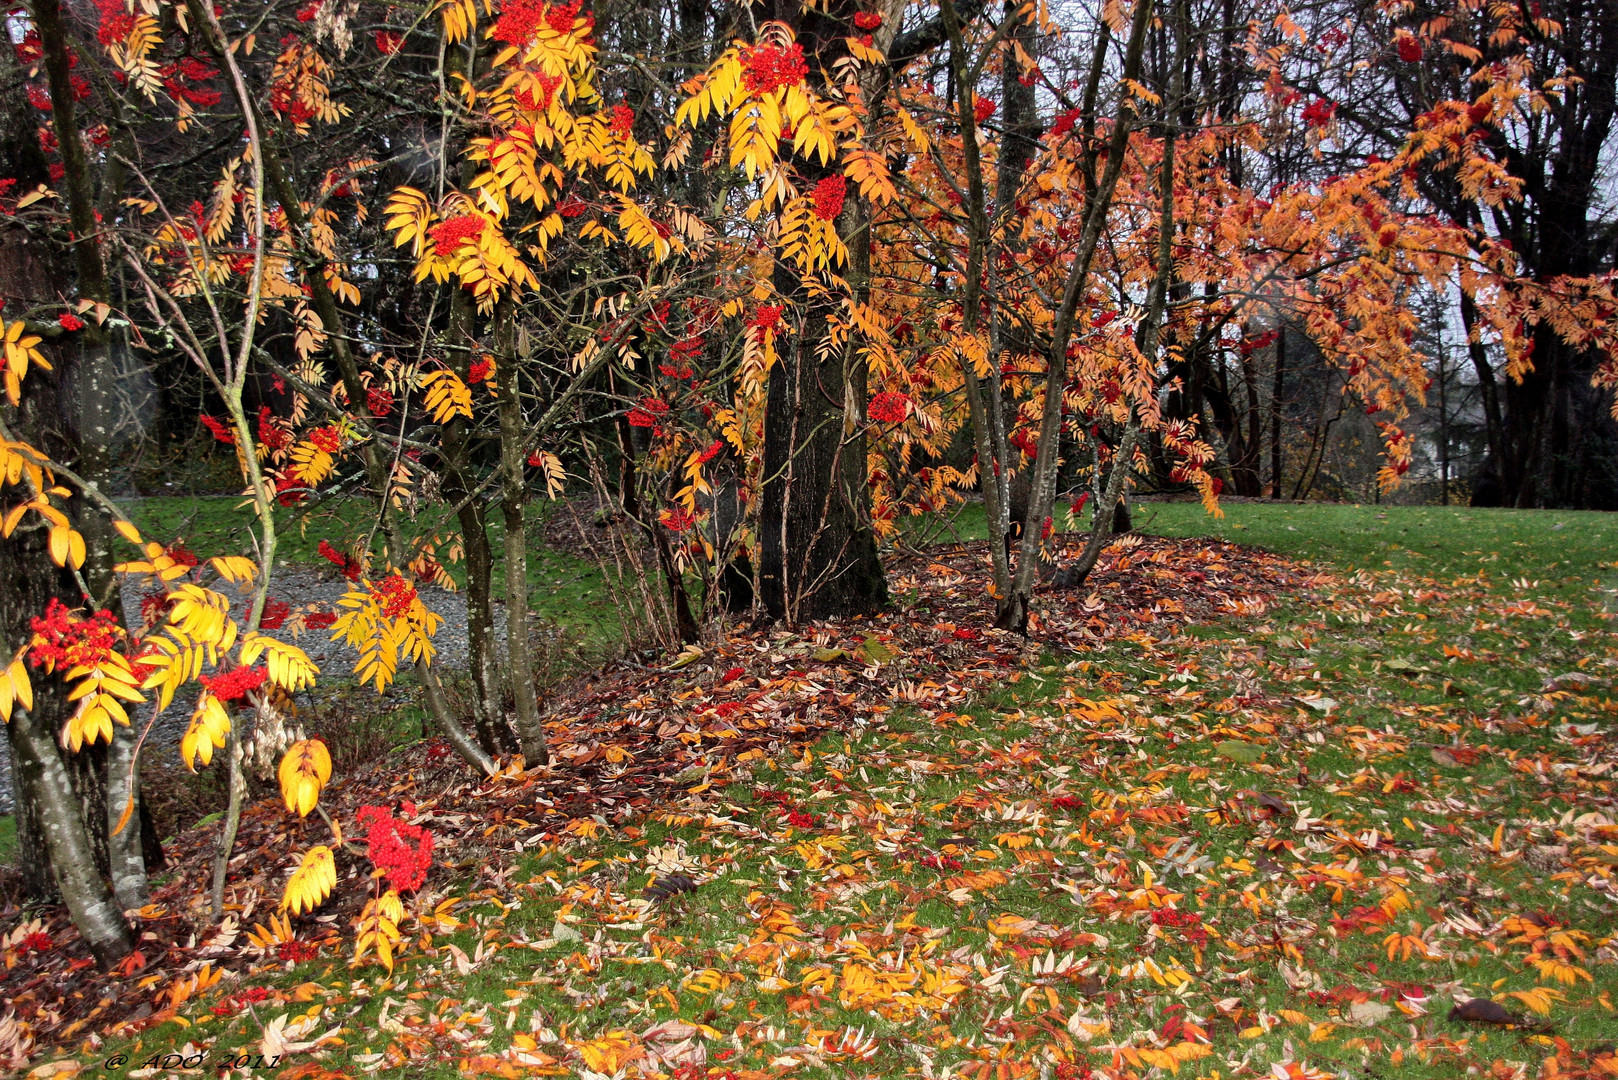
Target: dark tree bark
(817,554)
(1276,398)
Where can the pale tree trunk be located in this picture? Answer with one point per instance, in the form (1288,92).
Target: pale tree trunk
(96,373)
(44,782)
(52,827)
(513,509)
(1013,609)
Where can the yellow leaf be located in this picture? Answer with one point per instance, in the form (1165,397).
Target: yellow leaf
(303,773)
(15,688)
(610,1053)
(312,881)
(207,731)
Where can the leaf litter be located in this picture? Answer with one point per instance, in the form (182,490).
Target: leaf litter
(1200,824)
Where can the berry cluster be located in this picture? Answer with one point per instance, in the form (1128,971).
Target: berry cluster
(623,121)
(451,234)
(394,596)
(351,568)
(1189,923)
(770,67)
(235,684)
(649,413)
(63,639)
(326,438)
(220,431)
(767,317)
(270,434)
(828,197)
(1319,112)
(390,840)
(274,615)
(888,407)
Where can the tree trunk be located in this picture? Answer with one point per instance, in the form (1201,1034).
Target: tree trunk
(1275,408)
(108,779)
(1012,611)
(513,506)
(56,831)
(817,551)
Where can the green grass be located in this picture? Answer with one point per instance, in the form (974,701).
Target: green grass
(1569,545)
(1409,697)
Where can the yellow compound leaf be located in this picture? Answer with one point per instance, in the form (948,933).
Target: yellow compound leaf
(15,689)
(312,881)
(234,568)
(447,397)
(207,731)
(303,773)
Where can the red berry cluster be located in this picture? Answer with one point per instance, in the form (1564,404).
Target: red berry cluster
(798,819)
(62,639)
(479,371)
(770,67)
(390,847)
(686,350)
(379,400)
(350,567)
(116,22)
(649,413)
(767,317)
(296,952)
(1319,112)
(518,21)
(235,684)
(394,596)
(388,42)
(867,20)
(828,197)
(451,234)
(941,863)
(274,615)
(623,121)
(678,519)
(319,620)
(270,434)
(70,321)
(561,17)
(982,109)
(220,431)
(326,438)
(236,1002)
(547,92)
(733,674)
(888,407)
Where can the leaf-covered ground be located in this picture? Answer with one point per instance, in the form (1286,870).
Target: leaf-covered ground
(1236,817)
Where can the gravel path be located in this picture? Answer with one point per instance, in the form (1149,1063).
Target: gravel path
(301,587)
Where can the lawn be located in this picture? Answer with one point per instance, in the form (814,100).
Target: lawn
(1284,844)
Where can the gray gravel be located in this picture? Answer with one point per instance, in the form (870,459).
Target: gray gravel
(301,588)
